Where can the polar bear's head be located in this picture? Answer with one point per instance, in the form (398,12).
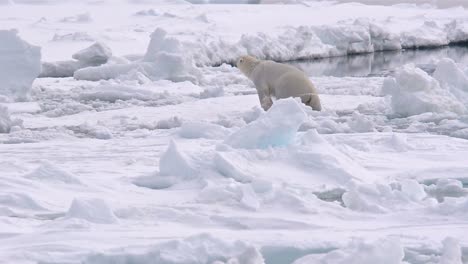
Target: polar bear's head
(246,64)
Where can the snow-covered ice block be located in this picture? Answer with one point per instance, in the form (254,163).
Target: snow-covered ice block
(384,251)
(5,120)
(276,128)
(427,35)
(446,188)
(414,92)
(96,54)
(20,64)
(176,163)
(60,69)
(202,248)
(451,76)
(93,210)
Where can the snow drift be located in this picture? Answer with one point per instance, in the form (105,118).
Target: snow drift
(20,64)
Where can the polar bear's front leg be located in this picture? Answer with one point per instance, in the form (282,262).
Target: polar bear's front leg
(266,103)
(264,96)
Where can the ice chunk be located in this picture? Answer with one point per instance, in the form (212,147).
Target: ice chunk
(276,128)
(414,92)
(5,121)
(451,76)
(93,210)
(20,64)
(96,54)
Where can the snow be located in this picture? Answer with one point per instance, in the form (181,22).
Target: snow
(19,65)
(143,143)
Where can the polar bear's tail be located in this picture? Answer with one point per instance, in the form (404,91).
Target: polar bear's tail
(312,100)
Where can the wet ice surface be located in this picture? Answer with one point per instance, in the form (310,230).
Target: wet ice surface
(381,64)
(142,169)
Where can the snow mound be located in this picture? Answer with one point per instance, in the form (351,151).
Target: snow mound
(92,210)
(323,161)
(384,251)
(20,64)
(176,163)
(276,128)
(195,249)
(175,166)
(164,59)
(380,198)
(5,120)
(50,173)
(96,54)
(19,201)
(414,92)
(194,130)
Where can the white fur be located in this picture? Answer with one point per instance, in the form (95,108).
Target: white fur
(278,80)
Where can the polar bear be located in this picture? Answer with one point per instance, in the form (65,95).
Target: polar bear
(278,80)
